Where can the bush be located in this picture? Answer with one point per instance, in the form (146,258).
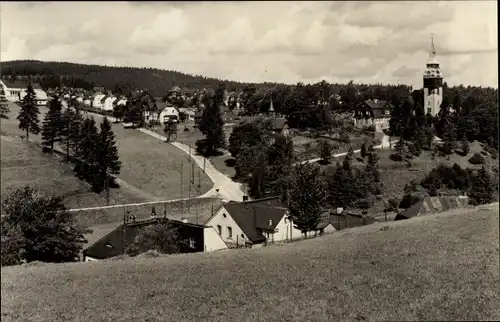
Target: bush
(476,159)
(396,157)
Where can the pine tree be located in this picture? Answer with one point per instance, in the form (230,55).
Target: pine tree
(52,127)
(70,130)
(363,150)
(85,155)
(4,108)
(346,164)
(211,123)
(338,186)
(371,174)
(482,190)
(28,116)
(306,197)
(325,149)
(107,158)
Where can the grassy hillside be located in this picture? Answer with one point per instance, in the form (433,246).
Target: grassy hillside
(156,81)
(442,267)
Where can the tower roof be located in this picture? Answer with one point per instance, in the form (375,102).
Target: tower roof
(432,52)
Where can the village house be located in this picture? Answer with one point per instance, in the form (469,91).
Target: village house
(373,112)
(279,126)
(96,100)
(167,112)
(200,238)
(254,223)
(433,205)
(120,101)
(174,92)
(187,113)
(15,90)
(107,102)
(334,220)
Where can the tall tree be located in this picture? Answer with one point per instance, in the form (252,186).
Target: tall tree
(211,123)
(41,227)
(247,134)
(70,133)
(482,190)
(107,159)
(306,197)
(4,108)
(28,116)
(325,150)
(86,153)
(52,126)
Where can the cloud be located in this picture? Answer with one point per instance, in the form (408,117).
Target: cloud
(291,41)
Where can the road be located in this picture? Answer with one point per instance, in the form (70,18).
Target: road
(385,144)
(228,189)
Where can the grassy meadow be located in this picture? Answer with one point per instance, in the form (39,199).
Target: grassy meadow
(436,267)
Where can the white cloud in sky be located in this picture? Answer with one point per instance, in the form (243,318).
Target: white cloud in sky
(384,42)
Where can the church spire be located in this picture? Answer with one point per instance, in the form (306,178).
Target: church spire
(271,108)
(432,53)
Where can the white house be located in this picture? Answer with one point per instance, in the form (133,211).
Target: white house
(254,223)
(16,90)
(87,101)
(188,112)
(167,112)
(120,101)
(107,102)
(96,100)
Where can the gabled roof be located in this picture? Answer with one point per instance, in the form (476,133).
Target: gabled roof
(113,243)
(162,106)
(104,98)
(377,107)
(253,216)
(346,219)
(19,83)
(430,205)
(174,89)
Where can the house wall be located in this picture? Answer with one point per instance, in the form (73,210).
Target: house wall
(96,102)
(167,112)
(87,102)
(89,259)
(329,229)
(285,231)
(108,104)
(212,240)
(238,236)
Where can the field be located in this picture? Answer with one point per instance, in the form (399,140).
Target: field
(436,267)
(151,169)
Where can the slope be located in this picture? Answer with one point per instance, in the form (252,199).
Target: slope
(442,267)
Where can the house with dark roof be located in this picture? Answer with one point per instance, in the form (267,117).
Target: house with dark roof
(200,238)
(331,221)
(15,90)
(175,91)
(373,112)
(433,205)
(254,223)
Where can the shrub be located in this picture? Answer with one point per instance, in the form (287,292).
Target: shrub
(476,159)
(344,138)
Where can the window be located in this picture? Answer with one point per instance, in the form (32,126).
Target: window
(191,243)
(428,102)
(219,230)
(224,216)
(242,236)
(229,232)
(429,110)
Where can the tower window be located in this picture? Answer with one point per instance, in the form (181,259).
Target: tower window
(428,102)
(429,110)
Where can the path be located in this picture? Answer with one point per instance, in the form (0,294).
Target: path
(385,144)
(228,189)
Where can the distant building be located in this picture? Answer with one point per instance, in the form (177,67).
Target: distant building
(433,205)
(373,112)
(433,84)
(15,90)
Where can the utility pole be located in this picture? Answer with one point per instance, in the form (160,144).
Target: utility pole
(182,202)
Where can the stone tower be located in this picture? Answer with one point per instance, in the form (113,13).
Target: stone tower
(433,83)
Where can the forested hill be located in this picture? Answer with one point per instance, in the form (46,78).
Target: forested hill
(156,81)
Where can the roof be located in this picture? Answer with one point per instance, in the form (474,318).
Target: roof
(175,89)
(346,219)
(125,234)
(377,107)
(104,98)
(254,216)
(19,83)
(432,205)
(162,106)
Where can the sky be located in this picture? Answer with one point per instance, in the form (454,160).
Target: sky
(367,42)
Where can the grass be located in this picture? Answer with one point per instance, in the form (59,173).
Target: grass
(148,165)
(437,267)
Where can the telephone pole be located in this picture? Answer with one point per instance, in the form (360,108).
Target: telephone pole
(182,202)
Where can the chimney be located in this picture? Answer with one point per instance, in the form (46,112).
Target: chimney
(184,220)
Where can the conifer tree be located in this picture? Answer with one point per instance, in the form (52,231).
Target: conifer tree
(52,126)
(107,159)
(4,109)
(306,197)
(363,150)
(325,150)
(85,155)
(482,190)
(28,116)
(211,123)
(70,130)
